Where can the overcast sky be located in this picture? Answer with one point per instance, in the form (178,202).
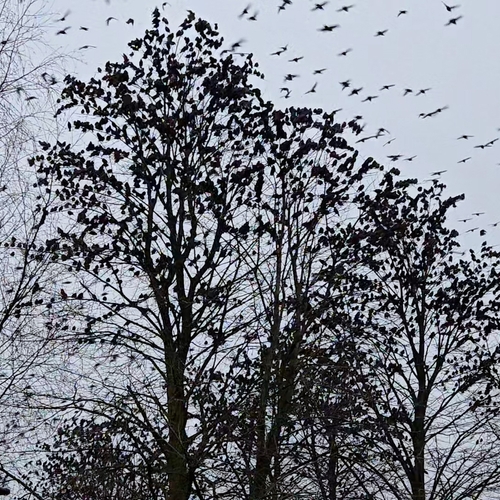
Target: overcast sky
(457,62)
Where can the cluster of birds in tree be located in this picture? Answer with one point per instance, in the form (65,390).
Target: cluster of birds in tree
(251,13)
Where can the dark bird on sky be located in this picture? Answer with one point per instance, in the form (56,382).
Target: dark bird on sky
(64,31)
(488,144)
(481,146)
(495,224)
(364,139)
(387,87)
(329,27)
(465,136)
(381,33)
(287,92)
(438,172)
(394,157)
(280,51)
(450,8)
(453,20)
(290,77)
(389,141)
(410,158)
(31,98)
(402,12)
(433,113)
(84,28)
(344,52)
(319,6)
(472,230)
(83,47)
(109,19)
(296,59)
(345,84)
(63,18)
(245,11)
(319,71)
(370,98)
(407,91)
(345,8)
(477,214)
(382,131)
(254,16)
(465,159)
(356,91)
(465,220)
(423,91)
(130,21)
(64,295)
(312,90)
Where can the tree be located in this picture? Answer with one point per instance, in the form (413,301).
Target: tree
(188,238)
(427,360)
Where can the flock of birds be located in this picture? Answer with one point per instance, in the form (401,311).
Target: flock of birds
(251,14)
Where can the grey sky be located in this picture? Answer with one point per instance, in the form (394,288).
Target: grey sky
(458,63)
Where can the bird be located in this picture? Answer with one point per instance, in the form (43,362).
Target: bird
(387,87)
(464,136)
(130,21)
(329,27)
(109,19)
(64,295)
(345,84)
(313,89)
(280,51)
(477,214)
(381,33)
(382,131)
(296,59)
(407,91)
(345,8)
(83,28)
(394,157)
(289,77)
(364,139)
(438,172)
(253,17)
(472,230)
(423,91)
(389,141)
(402,12)
(488,144)
(31,98)
(63,31)
(495,224)
(465,220)
(453,21)
(370,98)
(450,8)
(245,11)
(410,158)
(83,47)
(465,159)
(319,71)
(344,52)
(356,91)
(63,18)
(319,6)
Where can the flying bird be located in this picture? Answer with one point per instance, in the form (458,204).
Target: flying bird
(465,220)
(402,12)
(438,172)
(477,214)
(245,11)
(407,91)
(389,141)
(319,6)
(423,91)
(344,52)
(465,159)
(130,21)
(465,136)
(319,71)
(450,8)
(329,27)
(381,33)
(83,28)
(313,89)
(356,91)
(345,84)
(83,47)
(394,157)
(453,21)
(63,31)
(296,59)
(411,158)
(345,8)
(290,77)
(109,19)
(63,18)
(387,87)
(370,98)
(254,16)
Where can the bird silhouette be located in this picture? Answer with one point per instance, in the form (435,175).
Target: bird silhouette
(370,98)
(345,84)
(387,87)
(296,59)
(63,31)
(356,91)
(329,27)
(83,28)
(109,19)
(130,21)
(453,20)
(423,91)
(345,8)
(83,47)
(410,158)
(465,159)
(289,77)
(465,220)
(389,142)
(438,173)
(381,33)
(345,52)
(464,136)
(253,17)
(407,91)
(245,11)
(319,6)
(313,89)
(319,71)
(450,8)
(394,157)
(402,12)
(477,214)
